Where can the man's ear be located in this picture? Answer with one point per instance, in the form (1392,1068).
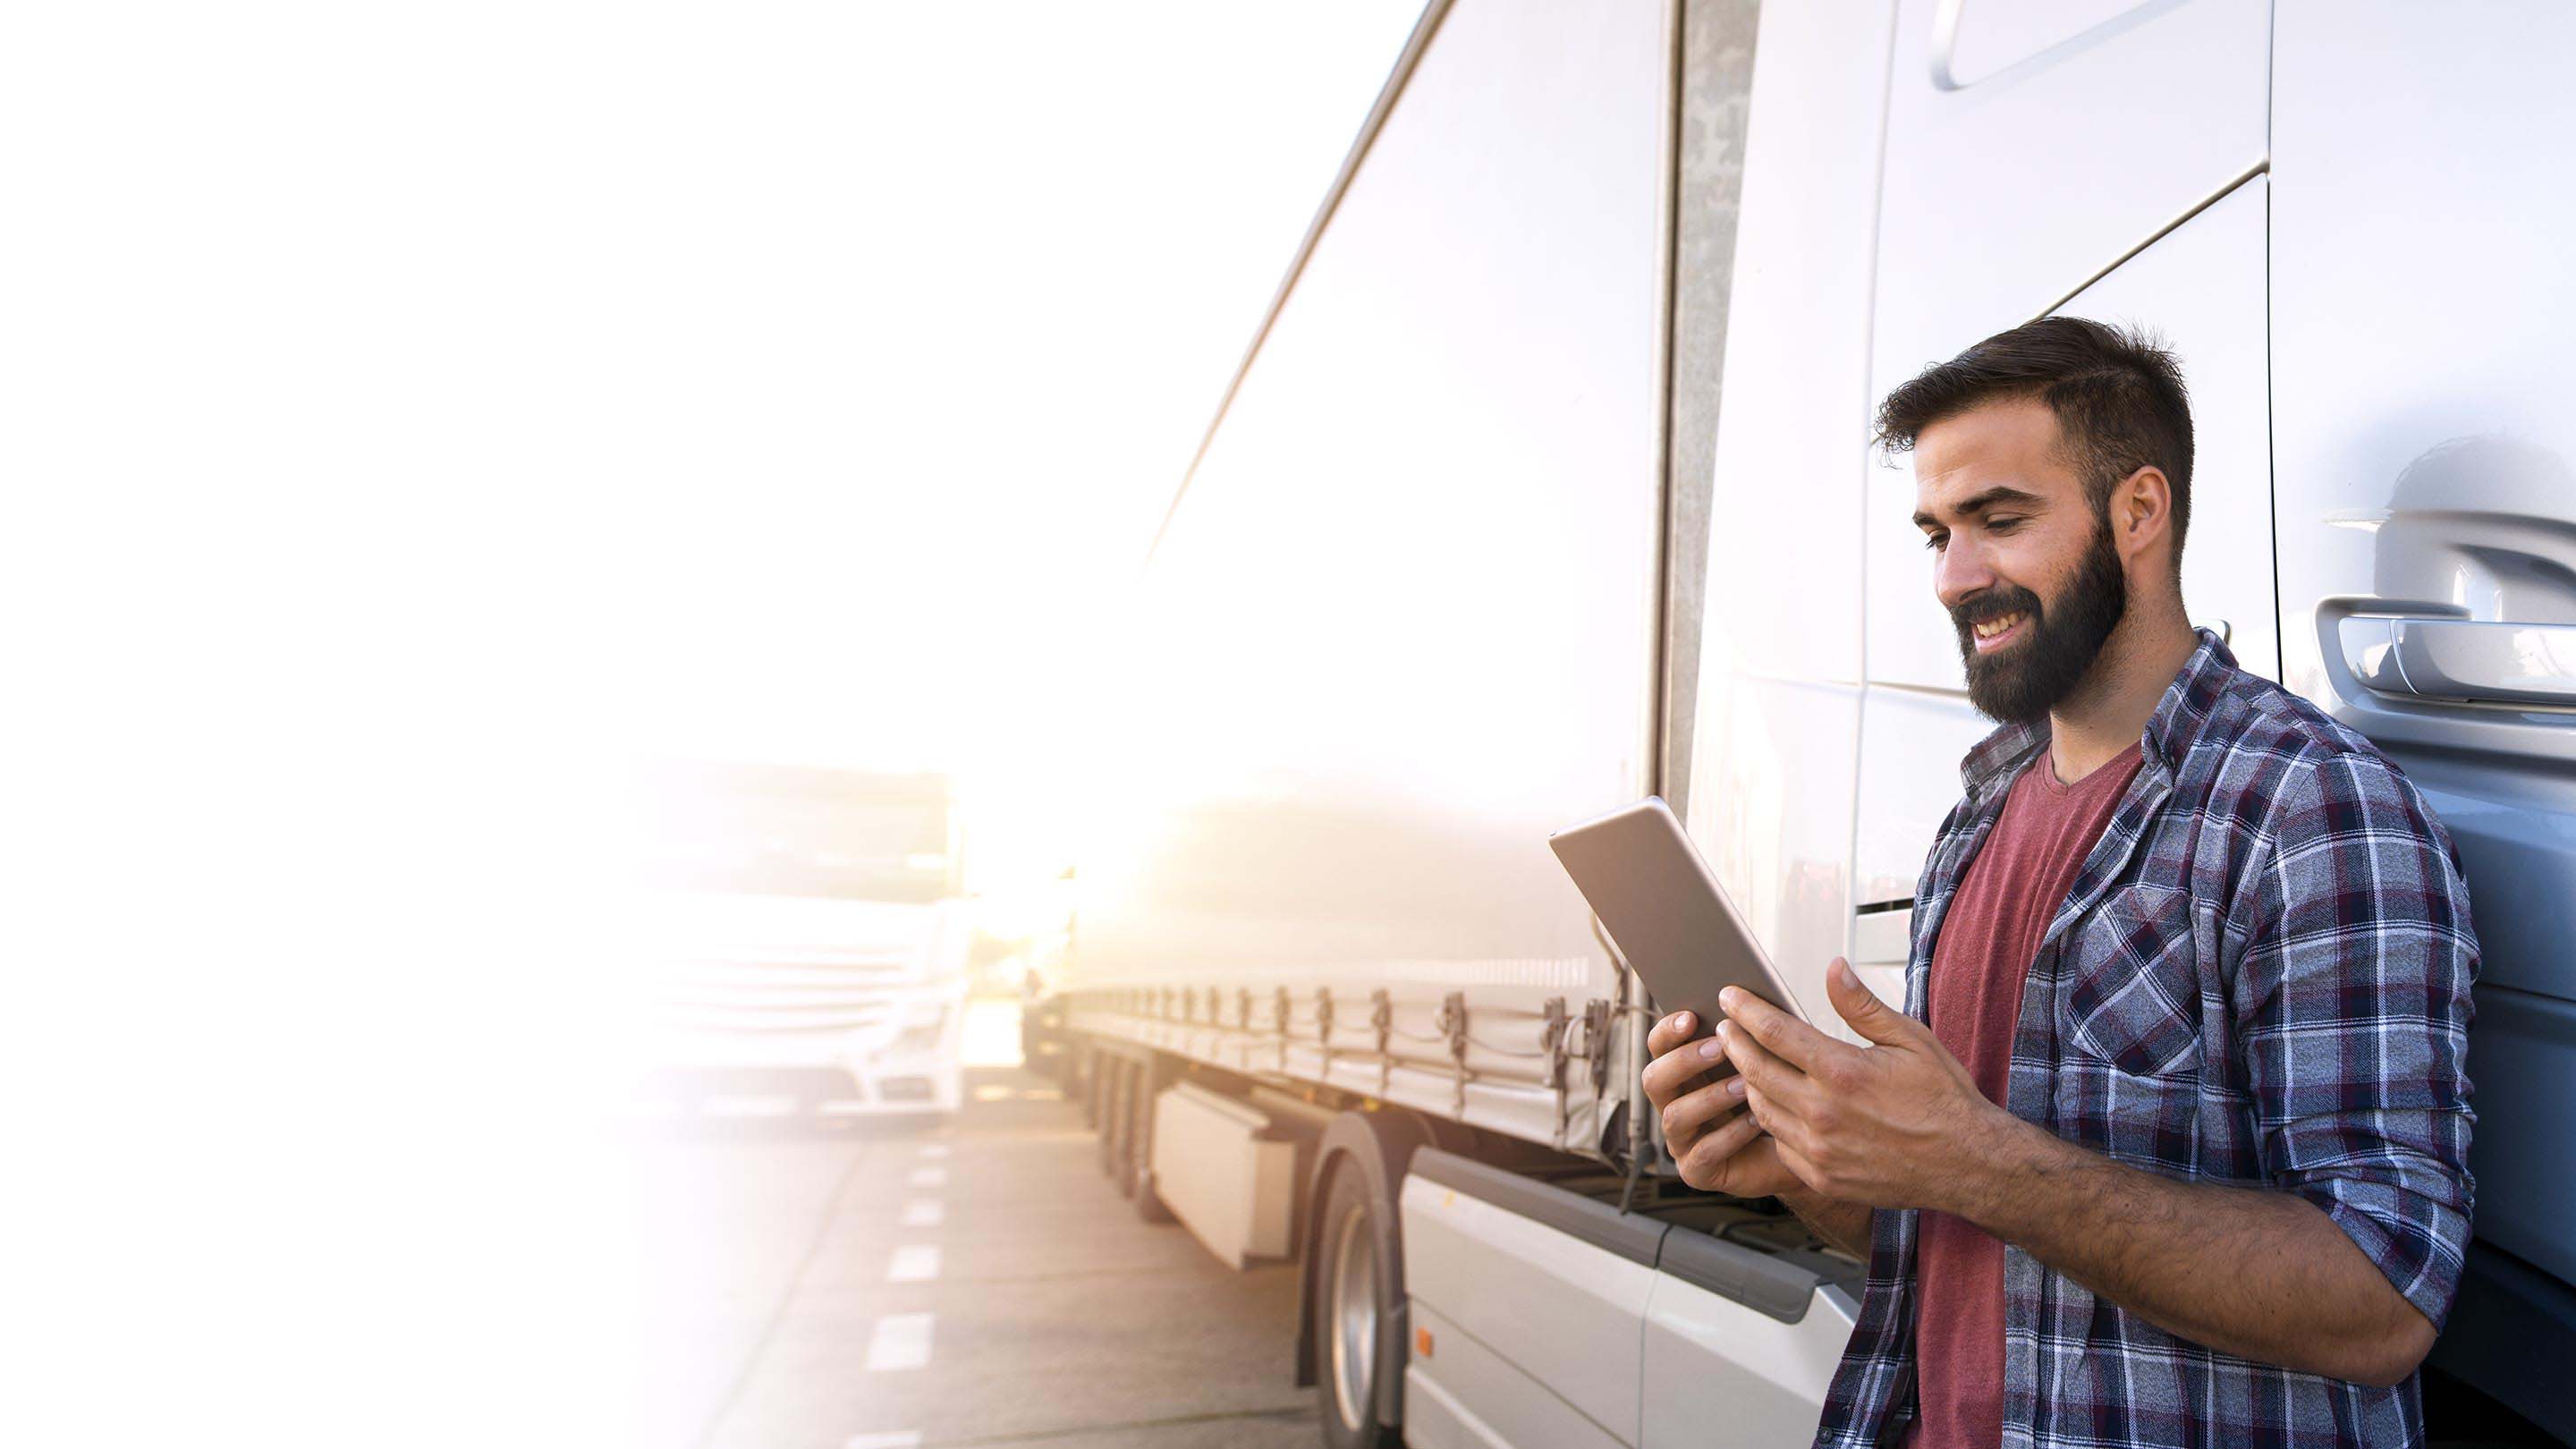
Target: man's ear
(2141,512)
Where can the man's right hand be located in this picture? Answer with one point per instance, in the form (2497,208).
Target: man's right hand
(1718,1144)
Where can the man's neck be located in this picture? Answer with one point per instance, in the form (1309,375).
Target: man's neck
(2109,710)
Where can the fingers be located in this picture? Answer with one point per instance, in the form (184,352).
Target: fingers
(1691,1113)
(1772,1077)
(1701,1163)
(1783,1035)
(1671,1074)
(1874,1019)
(1670,1032)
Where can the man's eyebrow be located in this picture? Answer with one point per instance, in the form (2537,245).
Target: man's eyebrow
(1980,502)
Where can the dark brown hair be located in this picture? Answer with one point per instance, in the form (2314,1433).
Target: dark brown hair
(2117,393)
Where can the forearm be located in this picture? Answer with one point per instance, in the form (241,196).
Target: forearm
(1843,1224)
(2261,1274)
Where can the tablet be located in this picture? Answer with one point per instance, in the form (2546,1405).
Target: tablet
(1664,908)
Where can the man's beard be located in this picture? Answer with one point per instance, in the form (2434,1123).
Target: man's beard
(2027,678)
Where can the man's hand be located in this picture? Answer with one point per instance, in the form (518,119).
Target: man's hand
(1893,1124)
(1718,1144)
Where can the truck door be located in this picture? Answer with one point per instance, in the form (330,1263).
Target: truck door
(2103,161)
(2422,378)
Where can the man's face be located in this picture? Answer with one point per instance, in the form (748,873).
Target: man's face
(2023,561)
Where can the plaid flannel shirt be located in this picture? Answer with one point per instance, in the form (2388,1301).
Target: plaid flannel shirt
(2261,977)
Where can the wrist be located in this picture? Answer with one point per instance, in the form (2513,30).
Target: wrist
(1991,1162)
(1803,1200)
(1841,1223)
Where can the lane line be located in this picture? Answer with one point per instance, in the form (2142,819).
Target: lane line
(914,1263)
(923,1213)
(934,1149)
(930,1177)
(901,1341)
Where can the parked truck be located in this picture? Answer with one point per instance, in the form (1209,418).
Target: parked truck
(810,941)
(1484,541)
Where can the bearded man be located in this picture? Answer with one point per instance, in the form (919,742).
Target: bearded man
(2169,1145)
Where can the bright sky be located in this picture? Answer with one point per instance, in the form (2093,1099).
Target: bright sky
(1008,257)
(417,408)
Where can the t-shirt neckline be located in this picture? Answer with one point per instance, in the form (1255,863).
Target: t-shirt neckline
(2046,768)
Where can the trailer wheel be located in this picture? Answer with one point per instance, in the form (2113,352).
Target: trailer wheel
(1352,1314)
(1140,1153)
(1113,1081)
(1130,1156)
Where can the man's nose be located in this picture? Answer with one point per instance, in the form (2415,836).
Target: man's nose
(1959,572)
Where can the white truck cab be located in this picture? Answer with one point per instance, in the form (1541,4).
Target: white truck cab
(809,943)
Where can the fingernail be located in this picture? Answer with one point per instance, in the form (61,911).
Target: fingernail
(1711,1049)
(1681,1021)
(1726,998)
(1735,1088)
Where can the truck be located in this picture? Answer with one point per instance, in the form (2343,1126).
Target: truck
(1546,484)
(810,942)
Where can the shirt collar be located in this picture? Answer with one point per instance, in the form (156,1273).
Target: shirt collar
(2186,706)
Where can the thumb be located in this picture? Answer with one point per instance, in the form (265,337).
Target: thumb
(1875,1020)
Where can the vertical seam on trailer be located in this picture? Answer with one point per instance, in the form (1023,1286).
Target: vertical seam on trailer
(2271,456)
(1659,731)
(1868,369)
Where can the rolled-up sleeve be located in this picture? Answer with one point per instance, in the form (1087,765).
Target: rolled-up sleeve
(2353,1011)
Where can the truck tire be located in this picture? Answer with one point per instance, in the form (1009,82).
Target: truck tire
(1111,1073)
(1354,1314)
(1140,1154)
(1127,1077)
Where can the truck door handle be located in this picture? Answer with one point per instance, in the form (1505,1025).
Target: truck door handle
(2469,659)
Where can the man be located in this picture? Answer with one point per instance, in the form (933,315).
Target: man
(2169,1144)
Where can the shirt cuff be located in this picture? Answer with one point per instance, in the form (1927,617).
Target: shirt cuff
(2415,1241)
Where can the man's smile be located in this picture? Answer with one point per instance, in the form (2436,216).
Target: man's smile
(1993,633)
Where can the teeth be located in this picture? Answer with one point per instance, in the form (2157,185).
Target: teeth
(1991,627)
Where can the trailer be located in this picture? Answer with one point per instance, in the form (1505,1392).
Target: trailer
(1545,486)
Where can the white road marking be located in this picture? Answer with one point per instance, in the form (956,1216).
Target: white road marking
(992,1092)
(934,1149)
(844,1107)
(898,1439)
(930,1177)
(922,1212)
(914,1263)
(901,1341)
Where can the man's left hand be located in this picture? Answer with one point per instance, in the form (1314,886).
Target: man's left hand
(1897,1123)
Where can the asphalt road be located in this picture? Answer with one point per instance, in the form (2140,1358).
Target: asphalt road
(819,1285)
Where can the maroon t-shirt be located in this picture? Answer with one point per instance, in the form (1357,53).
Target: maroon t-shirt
(2012,890)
